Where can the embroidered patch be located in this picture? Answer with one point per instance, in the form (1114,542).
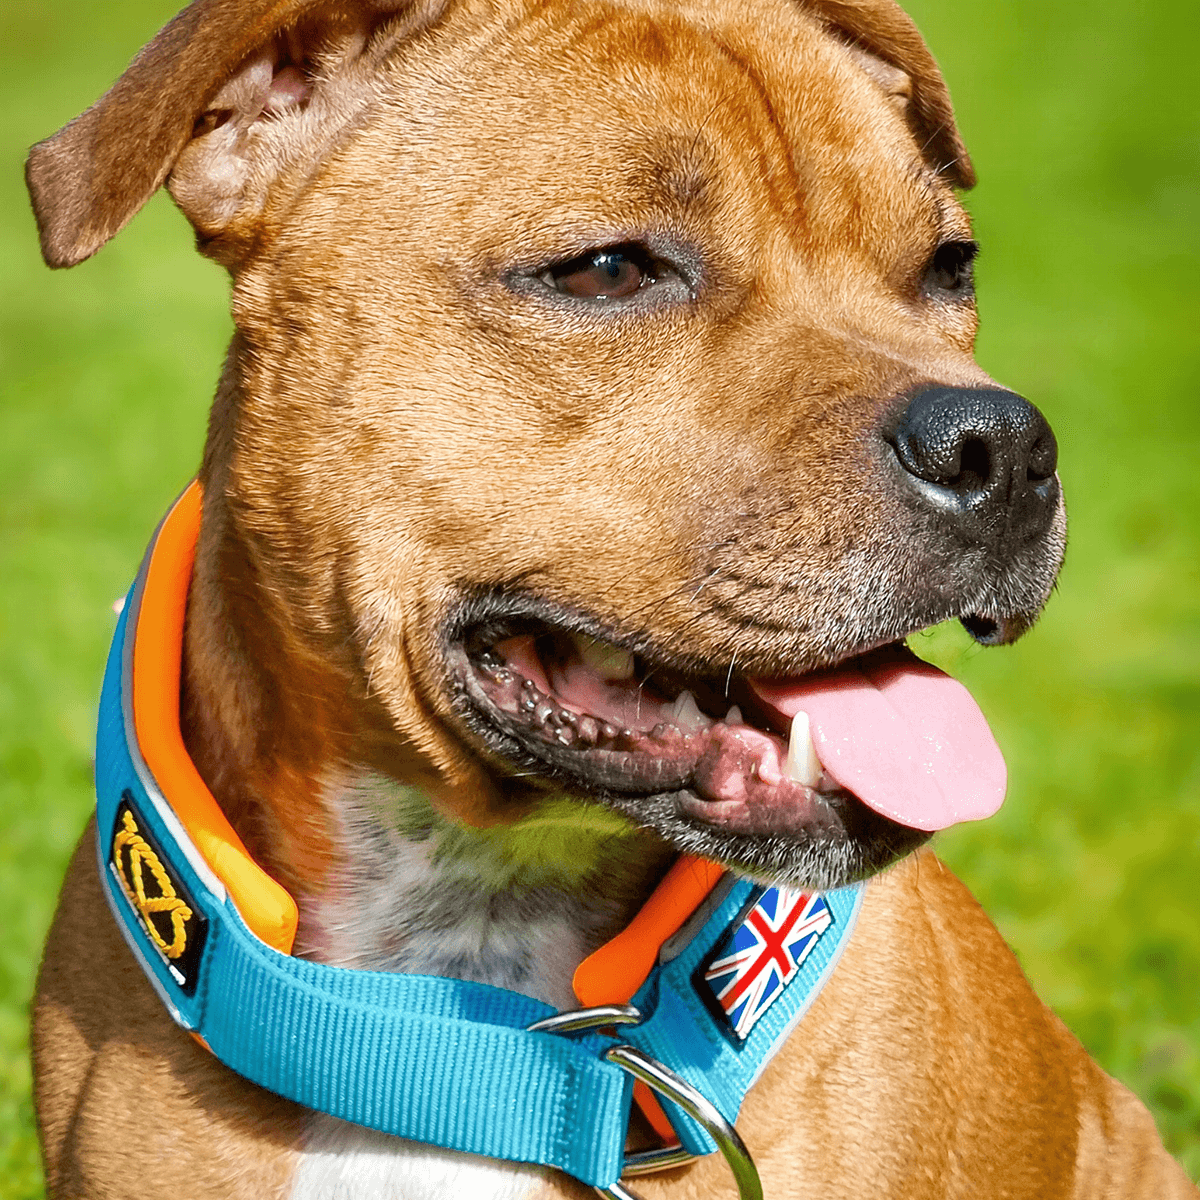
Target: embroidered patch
(168,916)
(759,957)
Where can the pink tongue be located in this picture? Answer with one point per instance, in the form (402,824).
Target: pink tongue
(904,737)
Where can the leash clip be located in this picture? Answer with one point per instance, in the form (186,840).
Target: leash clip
(670,1086)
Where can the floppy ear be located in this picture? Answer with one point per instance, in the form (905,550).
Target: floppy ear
(212,73)
(891,50)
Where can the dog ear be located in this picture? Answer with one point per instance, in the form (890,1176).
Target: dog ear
(194,102)
(888,46)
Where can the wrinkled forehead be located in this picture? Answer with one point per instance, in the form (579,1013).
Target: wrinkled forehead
(563,117)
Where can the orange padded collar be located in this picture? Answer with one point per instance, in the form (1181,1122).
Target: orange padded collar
(265,906)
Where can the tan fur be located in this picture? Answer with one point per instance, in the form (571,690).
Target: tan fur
(398,420)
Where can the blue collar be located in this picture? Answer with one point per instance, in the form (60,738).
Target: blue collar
(445,1061)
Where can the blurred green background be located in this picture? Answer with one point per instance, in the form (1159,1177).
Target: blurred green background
(1082,120)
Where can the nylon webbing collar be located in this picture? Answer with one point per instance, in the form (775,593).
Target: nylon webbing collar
(720,969)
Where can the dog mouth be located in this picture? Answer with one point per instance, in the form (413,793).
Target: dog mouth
(882,748)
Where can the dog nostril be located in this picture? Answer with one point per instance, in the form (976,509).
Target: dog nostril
(1043,458)
(974,465)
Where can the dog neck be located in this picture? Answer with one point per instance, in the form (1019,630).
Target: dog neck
(515,905)
(357,824)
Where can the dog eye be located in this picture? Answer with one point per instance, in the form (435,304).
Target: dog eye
(609,274)
(952,268)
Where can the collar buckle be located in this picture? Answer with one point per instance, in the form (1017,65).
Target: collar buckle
(670,1086)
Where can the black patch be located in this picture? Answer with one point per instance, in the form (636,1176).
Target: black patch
(174,925)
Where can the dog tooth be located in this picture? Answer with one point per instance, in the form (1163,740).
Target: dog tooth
(734,716)
(608,661)
(529,700)
(802,764)
(685,713)
(543,712)
(589,730)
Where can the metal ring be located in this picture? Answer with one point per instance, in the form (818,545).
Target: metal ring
(666,1083)
(697,1106)
(649,1162)
(582,1019)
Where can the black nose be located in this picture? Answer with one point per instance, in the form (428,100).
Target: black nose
(982,456)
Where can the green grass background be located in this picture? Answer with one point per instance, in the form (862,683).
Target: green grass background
(1082,119)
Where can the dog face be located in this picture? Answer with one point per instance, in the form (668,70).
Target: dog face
(598,366)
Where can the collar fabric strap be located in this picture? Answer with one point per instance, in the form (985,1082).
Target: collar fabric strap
(434,1060)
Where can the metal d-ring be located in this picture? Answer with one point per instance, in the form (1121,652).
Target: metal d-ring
(582,1019)
(667,1084)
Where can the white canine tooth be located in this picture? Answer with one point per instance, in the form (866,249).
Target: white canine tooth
(734,716)
(608,661)
(802,764)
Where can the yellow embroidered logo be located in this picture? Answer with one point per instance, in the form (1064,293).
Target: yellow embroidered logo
(165,915)
(163,909)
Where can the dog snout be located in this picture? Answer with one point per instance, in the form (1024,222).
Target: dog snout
(984,458)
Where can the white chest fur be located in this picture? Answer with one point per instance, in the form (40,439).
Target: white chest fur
(518,908)
(347,1162)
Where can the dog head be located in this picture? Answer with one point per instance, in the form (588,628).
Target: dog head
(600,368)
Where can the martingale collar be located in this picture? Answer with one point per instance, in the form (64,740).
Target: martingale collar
(718,970)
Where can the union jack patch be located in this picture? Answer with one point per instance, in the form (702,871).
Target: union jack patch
(759,957)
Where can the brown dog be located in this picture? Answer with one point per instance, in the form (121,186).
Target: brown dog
(618,354)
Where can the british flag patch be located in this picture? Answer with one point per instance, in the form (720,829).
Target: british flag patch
(757,959)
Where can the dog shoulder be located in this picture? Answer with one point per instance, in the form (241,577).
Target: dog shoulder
(127,1104)
(994,1084)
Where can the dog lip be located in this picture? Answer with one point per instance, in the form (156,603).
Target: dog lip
(715,774)
(726,773)
(769,816)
